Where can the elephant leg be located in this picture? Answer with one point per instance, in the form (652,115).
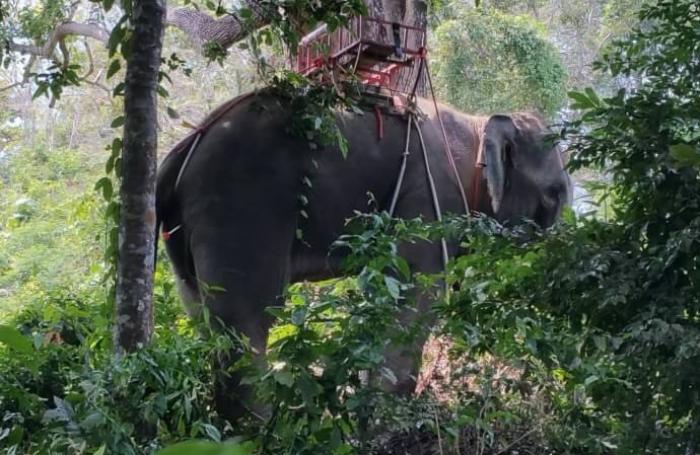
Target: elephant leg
(405,360)
(241,270)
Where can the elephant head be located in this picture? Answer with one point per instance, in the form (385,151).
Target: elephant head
(524,173)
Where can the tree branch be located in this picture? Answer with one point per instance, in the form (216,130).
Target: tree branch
(225,31)
(61,32)
(199,26)
(25,76)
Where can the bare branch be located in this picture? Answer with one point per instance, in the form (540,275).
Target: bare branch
(64,50)
(13,85)
(25,76)
(91,61)
(197,25)
(60,32)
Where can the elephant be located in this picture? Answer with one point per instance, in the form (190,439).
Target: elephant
(231,201)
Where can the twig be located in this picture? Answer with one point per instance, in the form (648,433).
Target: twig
(25,76)
(517,440)
(11,86)
(437,427)
(91,61)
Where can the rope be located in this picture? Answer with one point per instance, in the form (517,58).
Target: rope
(402,172)
(448,150)
(433,192)
(167,234)
(187,158)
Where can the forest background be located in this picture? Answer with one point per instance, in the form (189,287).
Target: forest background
(543,374)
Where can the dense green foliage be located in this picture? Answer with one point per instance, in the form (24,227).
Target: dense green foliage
(610,311)
(597,323)
(64,392)
(486,62)
(49,228)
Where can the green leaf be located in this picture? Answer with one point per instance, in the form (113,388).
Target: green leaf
(118,122)
(593,97)
(284,377)
(119,89)
(14,339)
(213,432)
(114,68)
(685,154)
(342,143)
(105,185)
(298,316)
(581,100)
(308,387)
(172,113)
(162,91)
(42,89)
(245,13)
(393,286)
(206,448)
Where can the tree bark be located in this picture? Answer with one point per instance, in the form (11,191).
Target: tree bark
(59,33)
(134,324)
(202,28)
(409,12)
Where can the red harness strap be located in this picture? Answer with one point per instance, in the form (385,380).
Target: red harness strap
(475,195)
(212,118)
(380,121)
(191,141)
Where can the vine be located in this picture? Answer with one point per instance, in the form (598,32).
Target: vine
(313,104)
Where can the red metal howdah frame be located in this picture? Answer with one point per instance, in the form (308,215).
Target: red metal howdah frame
(380,53)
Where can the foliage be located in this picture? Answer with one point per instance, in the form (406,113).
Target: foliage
(61,390)
(47,224)
(38,20)
(605,315)
(332,334)
(597,320)
(66,392)
(486,61)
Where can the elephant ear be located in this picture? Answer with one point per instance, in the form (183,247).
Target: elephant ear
(498,144)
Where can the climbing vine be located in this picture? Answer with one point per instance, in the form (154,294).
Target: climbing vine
(313,103)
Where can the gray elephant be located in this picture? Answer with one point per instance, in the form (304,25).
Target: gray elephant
(232,206)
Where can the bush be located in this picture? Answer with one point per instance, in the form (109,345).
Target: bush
(604,316)
(64,392)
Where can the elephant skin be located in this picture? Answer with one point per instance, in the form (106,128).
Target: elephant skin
(238,199)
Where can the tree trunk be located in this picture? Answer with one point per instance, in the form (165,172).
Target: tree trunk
(409,12)
(134,324)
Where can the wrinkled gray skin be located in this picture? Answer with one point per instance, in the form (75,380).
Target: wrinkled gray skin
(238,203)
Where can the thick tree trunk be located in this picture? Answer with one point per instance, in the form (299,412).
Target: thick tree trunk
(134,324)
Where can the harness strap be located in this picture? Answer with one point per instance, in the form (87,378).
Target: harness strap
(476,186)
(214,117)
(433,192)
(380,121)
(199,135)
(167,234)
(448,150)
(402,172)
